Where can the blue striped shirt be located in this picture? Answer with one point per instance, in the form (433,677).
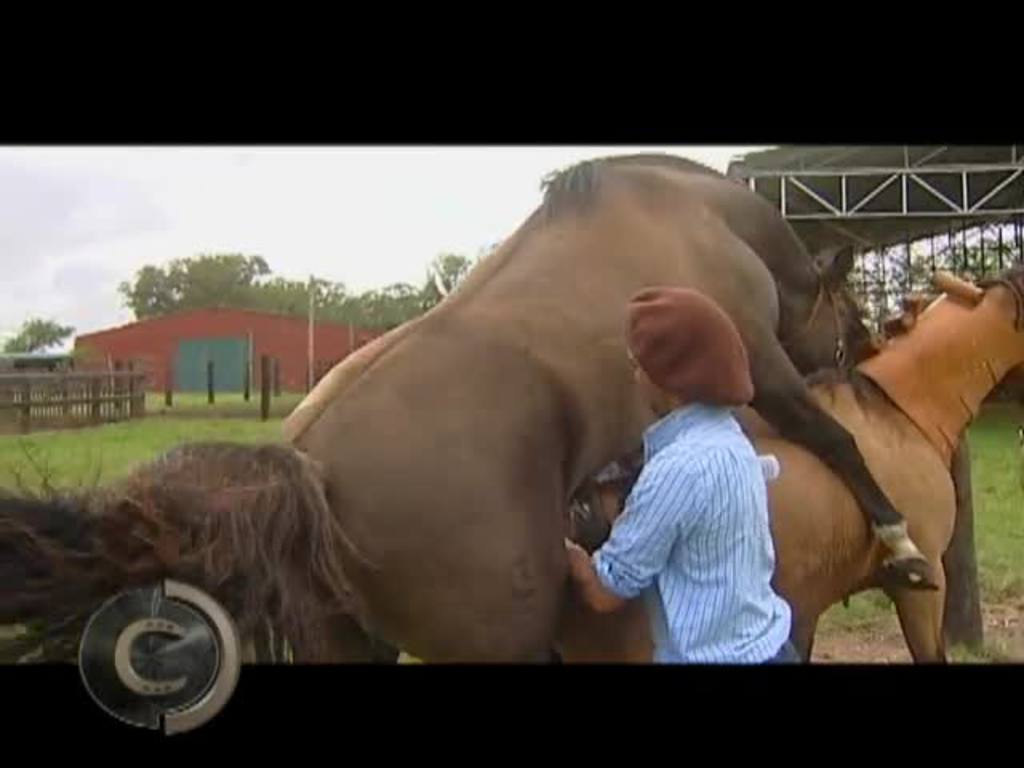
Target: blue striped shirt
(695,541)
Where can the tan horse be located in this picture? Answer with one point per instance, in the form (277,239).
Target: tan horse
(907,407)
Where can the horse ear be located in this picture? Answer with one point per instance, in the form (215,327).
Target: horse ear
(835,264)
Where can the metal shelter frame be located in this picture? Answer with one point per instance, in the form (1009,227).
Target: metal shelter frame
(907,210)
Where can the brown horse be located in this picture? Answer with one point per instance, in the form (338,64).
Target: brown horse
(907,407)
(487,413)
(446,451)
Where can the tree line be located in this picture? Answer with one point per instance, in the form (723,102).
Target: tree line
(247,282)
(239,281)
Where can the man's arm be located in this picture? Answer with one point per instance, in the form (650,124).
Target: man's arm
(642,537)
(597,597)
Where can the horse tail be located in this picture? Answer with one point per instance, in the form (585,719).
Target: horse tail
(249,524)
(49,573)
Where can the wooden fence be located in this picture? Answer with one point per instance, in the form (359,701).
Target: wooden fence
(54,400)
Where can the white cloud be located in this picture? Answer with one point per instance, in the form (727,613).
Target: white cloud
(74,222)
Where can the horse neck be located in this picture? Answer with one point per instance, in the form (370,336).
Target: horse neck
(943,369)
(801,293)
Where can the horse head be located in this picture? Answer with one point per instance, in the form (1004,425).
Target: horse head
(833,333)
(943,361)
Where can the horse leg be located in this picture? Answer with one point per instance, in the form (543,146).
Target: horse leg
(784,400)
(920,615)
(802,636)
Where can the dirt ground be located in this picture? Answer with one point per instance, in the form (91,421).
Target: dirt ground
(883,643)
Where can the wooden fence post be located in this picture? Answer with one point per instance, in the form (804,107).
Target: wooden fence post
(265,387)
(118,392)
(277,377)
(169,387)
(26,406)
(209,382)
(65,410)
(132,404)
(247,385)
(94,397)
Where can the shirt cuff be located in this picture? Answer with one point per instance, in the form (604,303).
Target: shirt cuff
(611,473)
(615,579)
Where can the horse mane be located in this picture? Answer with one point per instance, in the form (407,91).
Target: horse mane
(576,187)
(249,524)
(865,391)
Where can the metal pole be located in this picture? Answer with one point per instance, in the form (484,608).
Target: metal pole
(883,304)
(967,258)
(1000,247)
(1019,238)
(981,229)
(908,281)
(950,254)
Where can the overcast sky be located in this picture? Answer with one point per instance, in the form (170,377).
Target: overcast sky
(74,222)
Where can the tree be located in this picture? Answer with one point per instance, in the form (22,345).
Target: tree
(443,276)
(37,335)
(244,282)
(209,280)
(390,306)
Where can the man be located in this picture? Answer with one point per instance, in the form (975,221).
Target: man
(694,538)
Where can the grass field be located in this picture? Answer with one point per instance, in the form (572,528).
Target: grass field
(82,457)
(225,405)
(76,458)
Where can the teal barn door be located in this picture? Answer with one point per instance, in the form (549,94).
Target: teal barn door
(230,358)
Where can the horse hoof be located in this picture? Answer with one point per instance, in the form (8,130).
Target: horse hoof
(912,573)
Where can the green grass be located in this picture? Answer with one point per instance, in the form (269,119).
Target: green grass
(225,405)
(996,465)
(864,612)
(75,458)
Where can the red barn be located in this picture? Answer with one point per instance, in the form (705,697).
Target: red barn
(176,348)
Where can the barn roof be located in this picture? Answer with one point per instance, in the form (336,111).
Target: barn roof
(207,310)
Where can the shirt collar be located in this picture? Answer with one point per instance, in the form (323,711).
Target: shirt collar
(680,421)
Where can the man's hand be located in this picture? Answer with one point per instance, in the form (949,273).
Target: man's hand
(579,560)
(594,593)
